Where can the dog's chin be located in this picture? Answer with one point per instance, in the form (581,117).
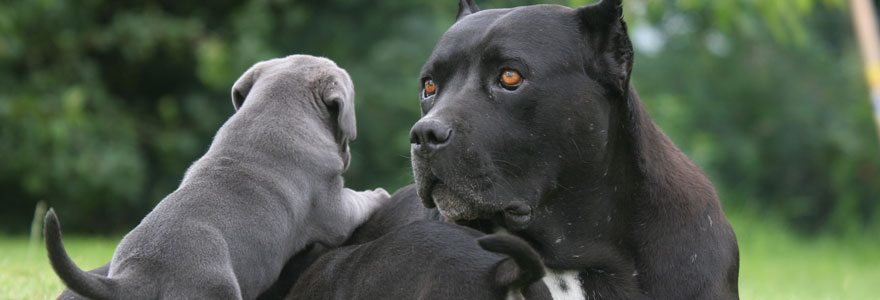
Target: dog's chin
(513,215)
(450,205)
(436,193)
(465,206)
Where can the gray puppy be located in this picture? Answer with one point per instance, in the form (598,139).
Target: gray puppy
(269,185)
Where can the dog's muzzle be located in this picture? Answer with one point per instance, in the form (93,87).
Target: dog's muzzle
(430,135)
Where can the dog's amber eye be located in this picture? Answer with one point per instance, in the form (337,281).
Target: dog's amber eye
(430,88)
(511,79)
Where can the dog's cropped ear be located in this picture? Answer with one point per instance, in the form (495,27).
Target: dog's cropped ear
(339,97)
(242,87)
(609,48)
(466,7)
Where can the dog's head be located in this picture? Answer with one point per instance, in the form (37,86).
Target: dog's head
(303,82)
(512,101)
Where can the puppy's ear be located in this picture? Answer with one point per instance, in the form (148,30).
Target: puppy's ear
(242,87)
(466,7)
(609,50)
(339,97)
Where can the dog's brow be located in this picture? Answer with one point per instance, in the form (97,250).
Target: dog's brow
(442,65)
(506,57)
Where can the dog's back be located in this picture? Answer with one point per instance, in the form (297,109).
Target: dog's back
(427,260)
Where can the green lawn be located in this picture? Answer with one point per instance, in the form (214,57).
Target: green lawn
(25,272)
(774,264)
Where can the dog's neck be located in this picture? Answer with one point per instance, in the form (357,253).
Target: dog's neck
(595,212)
(294,141)
(657,168)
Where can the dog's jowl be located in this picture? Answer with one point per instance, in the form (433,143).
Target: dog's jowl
(269,185)
(530,123)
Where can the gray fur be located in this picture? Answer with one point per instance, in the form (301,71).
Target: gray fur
(269,185)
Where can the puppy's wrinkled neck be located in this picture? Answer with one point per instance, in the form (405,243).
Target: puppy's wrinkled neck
(292,133)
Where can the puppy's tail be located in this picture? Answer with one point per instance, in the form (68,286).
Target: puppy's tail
(524,266)
(86,284)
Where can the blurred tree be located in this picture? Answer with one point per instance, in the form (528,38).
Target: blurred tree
(768,98)
(103,104)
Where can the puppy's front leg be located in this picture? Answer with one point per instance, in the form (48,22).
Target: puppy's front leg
(338,221)
(359,206)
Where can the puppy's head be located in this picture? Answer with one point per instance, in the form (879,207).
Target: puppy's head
(515,101)
(311,84)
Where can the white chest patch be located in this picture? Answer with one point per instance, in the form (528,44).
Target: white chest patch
(564,285)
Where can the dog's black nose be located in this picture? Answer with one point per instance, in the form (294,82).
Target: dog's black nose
(429,135)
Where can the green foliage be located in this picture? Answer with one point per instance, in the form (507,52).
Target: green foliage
(780,126)
(104,104)
(101,108)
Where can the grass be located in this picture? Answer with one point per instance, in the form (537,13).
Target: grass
(774,264)
(25,272)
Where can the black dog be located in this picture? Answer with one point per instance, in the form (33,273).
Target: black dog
(530,123)
(402,209)
(427,260)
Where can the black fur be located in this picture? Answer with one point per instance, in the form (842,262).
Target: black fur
(401,210)
(426,260)
(569,159)
(522,268)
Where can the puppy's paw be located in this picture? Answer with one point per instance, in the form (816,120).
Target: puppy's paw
(374,199)
(380,194)
(364,203)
